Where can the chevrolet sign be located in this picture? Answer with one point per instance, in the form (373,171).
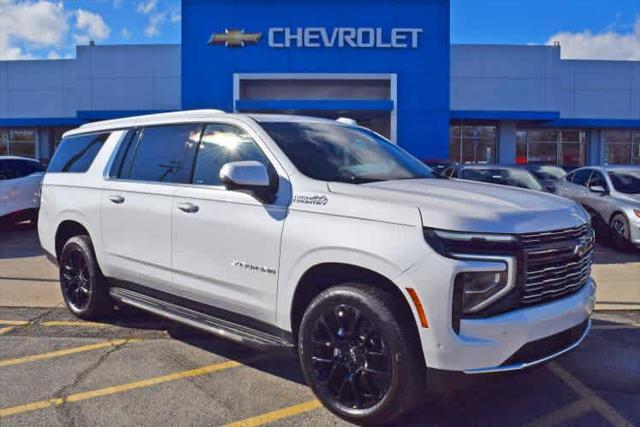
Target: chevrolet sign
(234,38)
(318,37)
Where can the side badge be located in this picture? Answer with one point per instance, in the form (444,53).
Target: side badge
(311,200)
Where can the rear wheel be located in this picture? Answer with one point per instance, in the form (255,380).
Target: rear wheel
(359,354)
(83,286)
(620,233)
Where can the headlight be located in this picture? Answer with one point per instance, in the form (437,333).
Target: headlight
(479,288)
(637,212)
(448,242)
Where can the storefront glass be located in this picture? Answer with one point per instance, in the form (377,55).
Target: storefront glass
(18,142)
(551,146)
(472,143)
(622,147)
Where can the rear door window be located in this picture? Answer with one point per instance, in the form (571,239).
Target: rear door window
(7,171)
(581,177)
(163,153)
(76,153)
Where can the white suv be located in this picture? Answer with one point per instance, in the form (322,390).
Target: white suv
(278,230)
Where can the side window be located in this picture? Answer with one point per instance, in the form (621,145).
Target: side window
(7,171)
(76,153)
(581,177)
(161,153)
(598,179)
(570,176)
(222,144)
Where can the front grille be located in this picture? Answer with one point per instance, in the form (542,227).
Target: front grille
(558,263)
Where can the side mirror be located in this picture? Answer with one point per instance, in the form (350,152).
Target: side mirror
(248,175)
(598,189)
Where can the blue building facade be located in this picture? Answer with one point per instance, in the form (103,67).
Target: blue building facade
(385,63)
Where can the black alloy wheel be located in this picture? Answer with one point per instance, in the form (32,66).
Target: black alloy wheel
(360,353)
(350,357)
(75,279)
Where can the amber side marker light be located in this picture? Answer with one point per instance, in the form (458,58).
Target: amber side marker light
(419,308)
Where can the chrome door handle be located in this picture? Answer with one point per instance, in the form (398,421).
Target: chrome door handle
(116,199)
(188,207)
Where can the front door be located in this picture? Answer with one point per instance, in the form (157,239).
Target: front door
(226,244)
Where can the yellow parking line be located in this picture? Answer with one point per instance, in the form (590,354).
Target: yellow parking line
(121,388)
(606,410)
(277,414)
(14,322)
(65,352)
(7,329)
(562,415)
(74,323)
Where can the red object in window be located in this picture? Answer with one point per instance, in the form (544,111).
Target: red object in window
(521,160)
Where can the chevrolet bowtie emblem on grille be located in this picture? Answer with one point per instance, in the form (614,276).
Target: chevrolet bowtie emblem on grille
(583,245)
(234,38)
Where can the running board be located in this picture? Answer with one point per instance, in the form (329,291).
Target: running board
(196,319)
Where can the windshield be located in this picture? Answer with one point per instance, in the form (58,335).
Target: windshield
(627,182)
(333,152)
(511,177)
(550,173)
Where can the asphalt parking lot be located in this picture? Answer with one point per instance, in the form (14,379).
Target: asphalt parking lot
(139,369)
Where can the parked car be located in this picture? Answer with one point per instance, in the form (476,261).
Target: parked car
(276,230)
(514,176)
(548,175)
(438,165)
(19,183)
(611,194)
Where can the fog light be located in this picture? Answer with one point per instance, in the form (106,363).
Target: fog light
(481,288)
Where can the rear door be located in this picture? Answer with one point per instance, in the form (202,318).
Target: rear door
(137,203)
(576,189)
(226,244)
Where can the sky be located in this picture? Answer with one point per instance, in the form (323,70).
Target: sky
(587,29)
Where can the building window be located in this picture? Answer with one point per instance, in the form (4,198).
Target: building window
(472,143)
(622,147)
(551,146)
(18,142)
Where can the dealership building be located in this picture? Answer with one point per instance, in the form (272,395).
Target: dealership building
(388,64)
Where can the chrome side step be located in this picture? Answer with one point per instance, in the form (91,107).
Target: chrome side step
(223,328)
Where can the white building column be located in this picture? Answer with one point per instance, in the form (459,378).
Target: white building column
(507,142)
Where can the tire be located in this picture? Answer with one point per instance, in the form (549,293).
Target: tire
(83,286)
(620,233)
(381,361)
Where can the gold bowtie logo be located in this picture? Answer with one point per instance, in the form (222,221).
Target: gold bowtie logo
(234,38)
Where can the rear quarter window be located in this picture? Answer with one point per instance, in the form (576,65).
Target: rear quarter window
(76,153)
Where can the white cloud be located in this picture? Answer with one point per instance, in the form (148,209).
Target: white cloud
(53,55)
(30,24)
(125,33)
(175,17)
(607,44)
(91,26)
(147,6)
(152,29)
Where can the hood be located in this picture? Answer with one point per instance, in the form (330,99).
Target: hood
(473,206)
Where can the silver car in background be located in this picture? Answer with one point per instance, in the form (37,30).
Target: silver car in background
(611,194)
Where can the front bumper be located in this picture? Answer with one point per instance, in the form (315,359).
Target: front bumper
(488,344)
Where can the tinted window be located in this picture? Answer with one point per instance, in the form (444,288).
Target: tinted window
(222,144)
(510,177)
(597,179)
(162,152)
(581,177)
(7,171)
(27,167)
(626,181)
(76,153)
(332,152)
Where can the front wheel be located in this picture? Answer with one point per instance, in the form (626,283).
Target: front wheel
(360,354)
(82,284)
(620,233)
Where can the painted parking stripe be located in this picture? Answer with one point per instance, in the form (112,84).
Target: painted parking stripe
(278,414)
(7,329)
(66,352)
(74,323)
(564,414)
(14,322)
(606,410)
(121,388)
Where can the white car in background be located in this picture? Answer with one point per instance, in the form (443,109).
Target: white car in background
(20,179)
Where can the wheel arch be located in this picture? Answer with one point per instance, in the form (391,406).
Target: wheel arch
(325,275)
(66,230)
(614,213)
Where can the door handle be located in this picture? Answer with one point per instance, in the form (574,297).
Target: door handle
(116,199)
(188,207)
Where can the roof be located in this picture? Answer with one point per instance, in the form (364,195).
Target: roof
(264,118)
(18,158)
(145,120)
